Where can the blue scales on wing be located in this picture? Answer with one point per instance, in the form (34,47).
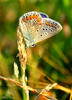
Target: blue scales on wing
(43,15)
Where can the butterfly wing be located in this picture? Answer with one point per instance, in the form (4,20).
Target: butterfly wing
(43,15)
(31,24)
(49,29)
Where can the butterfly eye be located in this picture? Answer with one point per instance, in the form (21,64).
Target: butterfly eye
(32,45)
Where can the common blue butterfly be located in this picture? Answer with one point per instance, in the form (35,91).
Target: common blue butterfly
(37,26)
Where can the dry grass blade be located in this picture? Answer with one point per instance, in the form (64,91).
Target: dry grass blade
(23,59)
(18,84)
(16,71)
(57,86)
(4,69)
(46,89)
(63,88)
(44,93)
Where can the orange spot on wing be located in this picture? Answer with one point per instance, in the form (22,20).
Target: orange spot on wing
(30,17)
(36,17)
(23,20)
(50,25)
(33,16)
(40,23)
(27,18)
(38,20)
(46,23)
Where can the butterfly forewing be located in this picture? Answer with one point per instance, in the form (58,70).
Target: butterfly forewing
(31,24)
(49,28)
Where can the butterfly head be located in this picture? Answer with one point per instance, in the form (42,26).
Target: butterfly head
(33,45)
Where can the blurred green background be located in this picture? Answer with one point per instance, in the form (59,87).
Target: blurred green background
(55,53)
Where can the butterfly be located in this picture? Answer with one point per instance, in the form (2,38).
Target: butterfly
(36,27)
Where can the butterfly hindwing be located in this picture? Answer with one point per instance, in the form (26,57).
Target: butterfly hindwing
(49,28)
